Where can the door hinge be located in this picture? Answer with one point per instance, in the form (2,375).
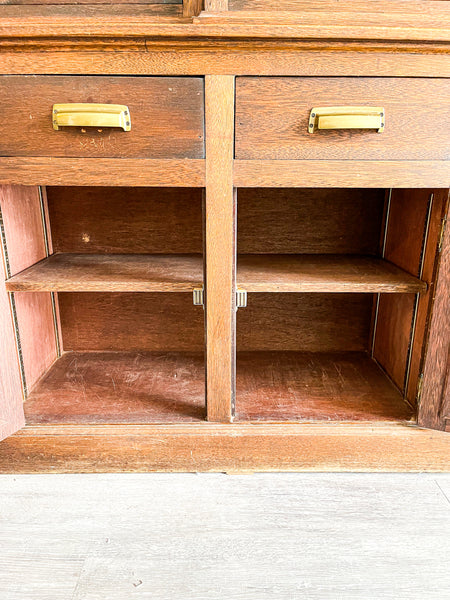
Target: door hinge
(198,297)
(441,235)
(419,388)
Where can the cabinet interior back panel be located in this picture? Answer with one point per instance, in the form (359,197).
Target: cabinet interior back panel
(305,322)
(309,221)
(130,321)
(126,220)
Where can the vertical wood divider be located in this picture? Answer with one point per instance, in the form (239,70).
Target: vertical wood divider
(192,8)
(220,274)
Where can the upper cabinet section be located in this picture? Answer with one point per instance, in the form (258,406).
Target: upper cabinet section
(400,20)
(336,118)
(161,117)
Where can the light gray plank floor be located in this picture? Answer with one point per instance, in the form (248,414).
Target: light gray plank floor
(221,537)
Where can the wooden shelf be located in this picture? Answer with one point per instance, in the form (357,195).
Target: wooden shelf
(120,387)
(111,273)
(182,272)
(315,386)
(323,273)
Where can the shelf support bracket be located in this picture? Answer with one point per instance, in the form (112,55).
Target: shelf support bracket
(241,298)
(198,297)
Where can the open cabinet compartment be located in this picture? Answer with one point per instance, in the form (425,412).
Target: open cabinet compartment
(101,284)
(340,283)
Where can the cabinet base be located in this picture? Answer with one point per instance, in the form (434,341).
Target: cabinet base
(225,447)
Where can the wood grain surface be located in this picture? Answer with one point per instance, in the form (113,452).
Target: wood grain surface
(192,8)
(112,273)
(11,395)
(342,173)
(121,321)
(272,117)
(316,386)
(143,56)
(25,241)
(120,387)
(305,322)
(102,171)
(430,263)
(351,23)
(126,220)
(434,405)
(378,6)
(166,117)
(132,21)
(323,273)
(405,237)
(309,221)
(225,447)
(220,248)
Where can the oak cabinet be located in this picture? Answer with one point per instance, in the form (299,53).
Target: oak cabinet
(231,283)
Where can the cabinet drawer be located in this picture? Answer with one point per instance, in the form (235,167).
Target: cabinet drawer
(272,118)
(166,115)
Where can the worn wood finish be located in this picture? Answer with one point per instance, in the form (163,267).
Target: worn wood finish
(157,7)
(216,5)
(378,6)
(323,273)
(166,117)
(434,406)
(112,273)
(25,242)
(11,396)
(305,322)
(102,171)
(133,21)
(408,226)
(309,221)
(393,335)
(192,8)
(225,447)
(341,173)
(315,386)
(272,119)
(126,220)
(351,24)
(430,262)
(120,387)
(101,321)
(220,232)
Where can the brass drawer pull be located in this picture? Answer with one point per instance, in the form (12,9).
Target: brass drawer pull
(347,117)
(91,115)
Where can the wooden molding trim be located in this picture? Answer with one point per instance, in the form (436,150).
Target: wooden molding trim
(225,447)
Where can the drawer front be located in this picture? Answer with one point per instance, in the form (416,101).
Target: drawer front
(272,118)
(167,117)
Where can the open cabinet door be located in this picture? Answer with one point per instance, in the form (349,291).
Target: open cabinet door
(434,407)
(11,395)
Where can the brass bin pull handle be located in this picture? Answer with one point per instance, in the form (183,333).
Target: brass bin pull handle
(347,117)
(91,115)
